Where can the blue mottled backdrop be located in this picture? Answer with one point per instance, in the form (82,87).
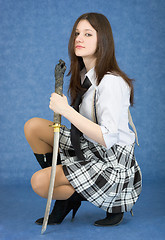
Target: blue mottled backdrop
(34,35)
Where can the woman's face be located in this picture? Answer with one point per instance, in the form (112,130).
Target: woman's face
(85,40)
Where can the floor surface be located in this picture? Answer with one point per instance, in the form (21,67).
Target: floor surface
(20,207)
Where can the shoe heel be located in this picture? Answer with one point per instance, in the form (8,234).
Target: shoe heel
(131,213)
(75,208)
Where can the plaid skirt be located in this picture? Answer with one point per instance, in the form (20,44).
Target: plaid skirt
(108,178)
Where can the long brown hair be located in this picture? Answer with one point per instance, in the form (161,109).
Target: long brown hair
(105,55)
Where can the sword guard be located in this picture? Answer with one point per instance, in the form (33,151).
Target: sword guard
(56,127)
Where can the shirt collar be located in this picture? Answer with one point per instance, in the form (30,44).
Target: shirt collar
(90,74)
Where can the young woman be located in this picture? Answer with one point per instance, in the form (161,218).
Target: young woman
(96,157)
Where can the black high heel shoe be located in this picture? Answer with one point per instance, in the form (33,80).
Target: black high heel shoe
(62,208)
(60,211)
(75,208)
(112,219)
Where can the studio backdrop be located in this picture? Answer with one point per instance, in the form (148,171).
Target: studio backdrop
(34,35)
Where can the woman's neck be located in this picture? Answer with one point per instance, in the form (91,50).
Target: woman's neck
(89,63)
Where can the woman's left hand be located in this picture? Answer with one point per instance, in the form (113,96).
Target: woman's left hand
(58,104)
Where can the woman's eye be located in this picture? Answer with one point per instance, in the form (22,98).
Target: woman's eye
(88,35)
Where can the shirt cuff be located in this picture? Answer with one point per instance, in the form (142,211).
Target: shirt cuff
(109,138)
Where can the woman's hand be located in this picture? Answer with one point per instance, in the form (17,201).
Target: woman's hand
(58,104)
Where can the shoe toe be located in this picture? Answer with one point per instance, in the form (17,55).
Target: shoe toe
(112,220)
(39,221)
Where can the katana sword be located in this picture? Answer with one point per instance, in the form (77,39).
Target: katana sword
(59,75)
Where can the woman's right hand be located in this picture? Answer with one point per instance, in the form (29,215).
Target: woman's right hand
(58,104)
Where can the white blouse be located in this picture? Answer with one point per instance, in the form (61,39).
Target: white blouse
(112,103)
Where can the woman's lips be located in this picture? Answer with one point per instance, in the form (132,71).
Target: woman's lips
(78,46)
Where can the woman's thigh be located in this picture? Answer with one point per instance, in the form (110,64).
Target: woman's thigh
(39,134)
(45,132)
(41,179)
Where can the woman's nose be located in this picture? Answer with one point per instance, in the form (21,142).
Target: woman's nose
(79,38)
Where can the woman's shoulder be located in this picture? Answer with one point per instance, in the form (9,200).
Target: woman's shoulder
(111,80)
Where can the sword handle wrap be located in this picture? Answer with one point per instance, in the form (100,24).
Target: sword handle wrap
(59,75)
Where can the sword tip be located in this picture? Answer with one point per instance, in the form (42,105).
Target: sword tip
(43,230)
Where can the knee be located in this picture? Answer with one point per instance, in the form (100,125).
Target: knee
(36,182)
(40,182)
(30,127)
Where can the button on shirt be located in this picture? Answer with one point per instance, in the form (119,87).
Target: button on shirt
(112,102)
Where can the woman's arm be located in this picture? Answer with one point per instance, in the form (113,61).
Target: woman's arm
(86,126)
(60,105)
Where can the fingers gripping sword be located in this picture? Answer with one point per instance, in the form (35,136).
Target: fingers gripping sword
(59,74)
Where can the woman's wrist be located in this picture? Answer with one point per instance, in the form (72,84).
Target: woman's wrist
(67,111)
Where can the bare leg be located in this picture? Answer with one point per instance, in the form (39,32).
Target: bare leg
(39,135)
(62,188)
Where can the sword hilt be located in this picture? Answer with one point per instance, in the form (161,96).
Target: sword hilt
(59,75)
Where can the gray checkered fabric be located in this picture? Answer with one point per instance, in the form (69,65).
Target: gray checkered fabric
(109,179)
